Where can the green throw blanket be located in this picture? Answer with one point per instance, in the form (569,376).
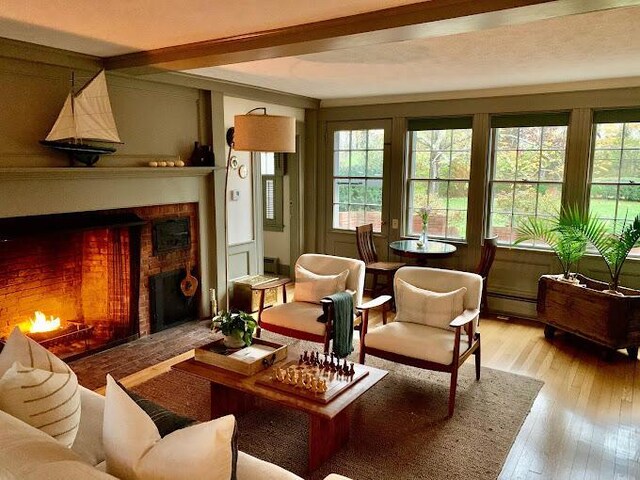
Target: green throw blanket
(342,323)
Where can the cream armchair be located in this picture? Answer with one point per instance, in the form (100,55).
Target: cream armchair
(300,319)
(414,340)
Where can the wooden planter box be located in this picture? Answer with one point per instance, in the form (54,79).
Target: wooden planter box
(609,320)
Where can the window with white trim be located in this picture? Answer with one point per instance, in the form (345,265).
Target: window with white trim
(439,164)
(358,158)
(527,170)
(614,193)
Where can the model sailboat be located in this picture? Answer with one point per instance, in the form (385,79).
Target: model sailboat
(85,116)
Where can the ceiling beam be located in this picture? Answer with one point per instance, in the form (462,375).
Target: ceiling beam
(418,20)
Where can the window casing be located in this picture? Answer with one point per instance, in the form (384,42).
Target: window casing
(438,172)
(358,160)
(614,190)
(527,171)
(272,171)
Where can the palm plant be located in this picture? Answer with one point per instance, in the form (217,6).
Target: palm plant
(563,233)
(614,247)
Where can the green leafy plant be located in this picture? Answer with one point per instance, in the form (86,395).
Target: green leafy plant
(563,233)
(613,247)
(235,323)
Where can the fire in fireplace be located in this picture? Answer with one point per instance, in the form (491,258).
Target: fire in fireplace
(40,323)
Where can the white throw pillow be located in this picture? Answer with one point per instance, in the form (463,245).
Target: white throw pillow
(20,348)
(312,287)
(47,400)
(39,388)
(416,305)
(135,450)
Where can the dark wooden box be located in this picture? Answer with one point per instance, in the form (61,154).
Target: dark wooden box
(585,310)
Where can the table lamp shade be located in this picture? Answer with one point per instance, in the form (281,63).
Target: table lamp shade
(264,133)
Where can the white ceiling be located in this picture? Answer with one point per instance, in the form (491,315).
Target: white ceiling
(107,28)
(561,50)
(592,46)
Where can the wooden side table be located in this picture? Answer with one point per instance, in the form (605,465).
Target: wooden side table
(263,287)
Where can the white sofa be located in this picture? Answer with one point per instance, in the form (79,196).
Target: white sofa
(27,453)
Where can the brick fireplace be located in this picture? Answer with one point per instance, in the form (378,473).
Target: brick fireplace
(91,272)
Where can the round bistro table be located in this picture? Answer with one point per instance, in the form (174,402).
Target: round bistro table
(432,249)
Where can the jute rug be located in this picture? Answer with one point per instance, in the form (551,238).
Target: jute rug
(399,427)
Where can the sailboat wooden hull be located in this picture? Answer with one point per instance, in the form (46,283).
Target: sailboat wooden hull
(79,152)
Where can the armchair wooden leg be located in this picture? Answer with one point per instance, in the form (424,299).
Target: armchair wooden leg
(374,289)
(477,354)
(258,331)
(452,391)
(362,354)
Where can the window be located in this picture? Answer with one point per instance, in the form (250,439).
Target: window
(615,175)
(438,176)
(358,157)
(528,158)
(271,167)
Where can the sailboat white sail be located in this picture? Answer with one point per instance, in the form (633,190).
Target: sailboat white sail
(87,115)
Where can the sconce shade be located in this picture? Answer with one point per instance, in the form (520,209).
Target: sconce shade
(264,133)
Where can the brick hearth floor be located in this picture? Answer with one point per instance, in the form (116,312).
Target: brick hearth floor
(145,352)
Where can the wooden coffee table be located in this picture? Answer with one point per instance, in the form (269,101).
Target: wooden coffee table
(329,424)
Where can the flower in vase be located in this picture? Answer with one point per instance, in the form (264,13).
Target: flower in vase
(424,213)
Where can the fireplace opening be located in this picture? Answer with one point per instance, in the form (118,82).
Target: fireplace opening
(71,282)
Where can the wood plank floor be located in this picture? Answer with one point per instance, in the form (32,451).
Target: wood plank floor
(584,424)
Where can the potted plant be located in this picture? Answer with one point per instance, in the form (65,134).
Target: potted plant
(236,326)
(588,308)
(562,233)
(613,247)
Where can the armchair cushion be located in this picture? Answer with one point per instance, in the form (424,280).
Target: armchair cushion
(413,340)
(435,309)
(312,287)
(301,316)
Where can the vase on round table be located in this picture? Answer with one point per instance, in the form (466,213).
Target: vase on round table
(424,239)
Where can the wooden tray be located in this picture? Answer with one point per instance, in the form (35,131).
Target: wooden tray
(336,385)
(245,361)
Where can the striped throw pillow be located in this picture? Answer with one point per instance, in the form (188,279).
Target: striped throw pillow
(39,388)
(20,348)
(49,401)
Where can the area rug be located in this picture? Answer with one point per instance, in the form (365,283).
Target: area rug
(399,428)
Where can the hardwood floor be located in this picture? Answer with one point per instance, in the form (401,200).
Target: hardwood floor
(584,424)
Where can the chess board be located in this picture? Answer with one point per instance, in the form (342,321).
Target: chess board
(336,384)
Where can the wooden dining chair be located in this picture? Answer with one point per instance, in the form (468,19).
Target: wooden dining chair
(484,266)
(368,254)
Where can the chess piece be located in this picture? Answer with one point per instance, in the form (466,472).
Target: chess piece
(325,364)
(345,368)
(322,386)
(352,370)
(306,356)
(301,361)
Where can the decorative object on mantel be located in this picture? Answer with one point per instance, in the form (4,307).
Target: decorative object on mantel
(85,117)
(233,163)
(254,132)
(202,156)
